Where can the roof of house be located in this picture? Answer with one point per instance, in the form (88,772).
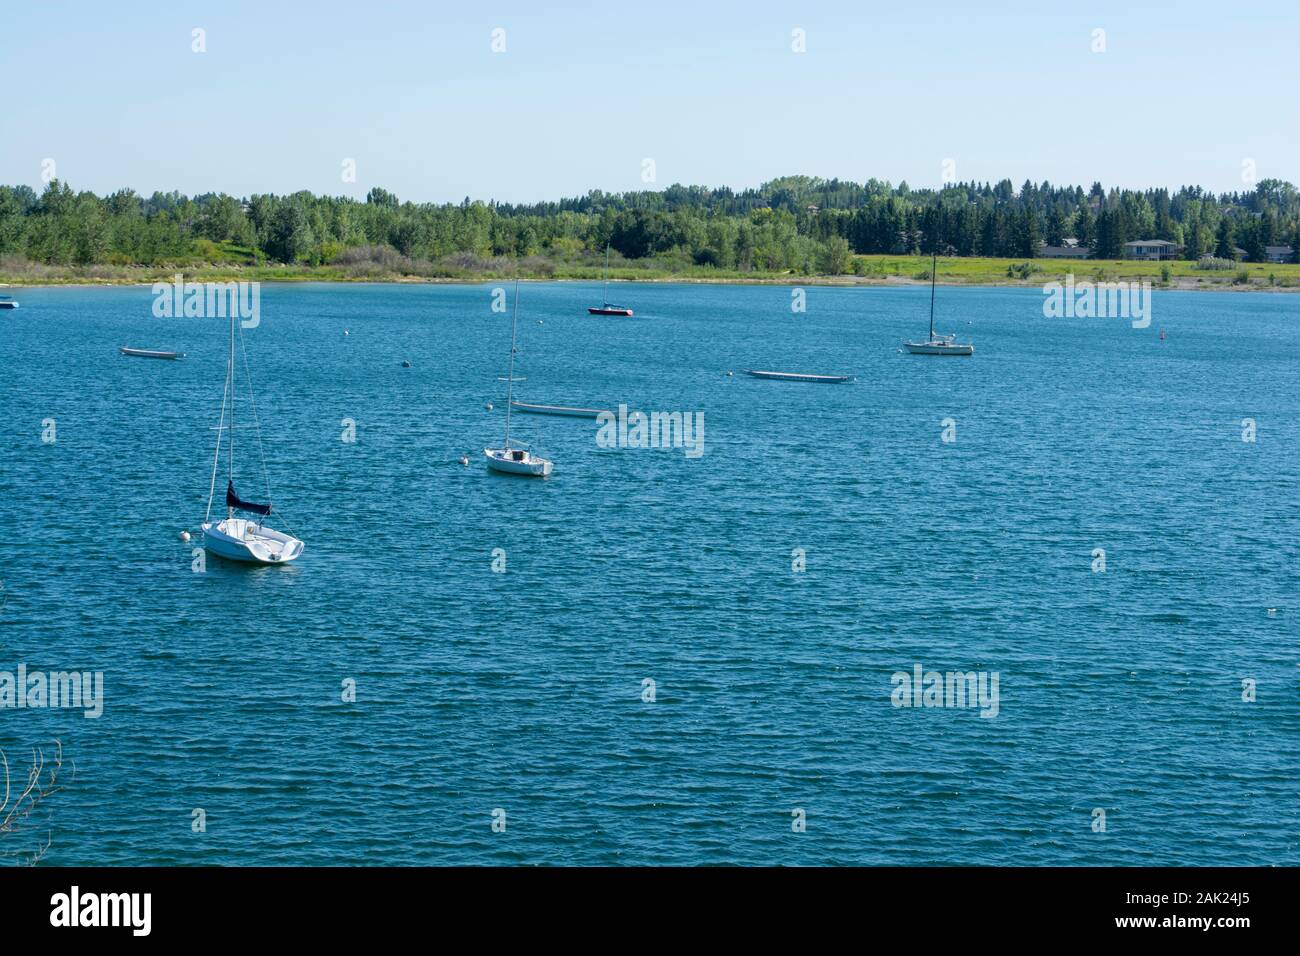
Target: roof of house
(1150,242)
(1284,250)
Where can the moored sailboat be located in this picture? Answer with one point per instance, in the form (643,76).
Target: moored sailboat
(509,459)
(938,344)
(237,538)
(608,308)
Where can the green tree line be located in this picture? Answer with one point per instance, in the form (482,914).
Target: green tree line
(796,223)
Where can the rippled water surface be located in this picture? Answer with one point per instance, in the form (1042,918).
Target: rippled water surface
(522,690)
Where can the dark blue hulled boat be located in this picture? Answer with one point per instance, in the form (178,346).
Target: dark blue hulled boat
(608,308)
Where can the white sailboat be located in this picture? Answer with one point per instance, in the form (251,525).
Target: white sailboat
(938,344)
(509,459)
(242,539)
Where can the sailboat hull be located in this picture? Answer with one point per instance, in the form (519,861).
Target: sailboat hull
(237,539)
(939,348)
(609,311)
(508,462)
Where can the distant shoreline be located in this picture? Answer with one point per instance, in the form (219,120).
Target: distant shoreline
(859,271)
(1176,284)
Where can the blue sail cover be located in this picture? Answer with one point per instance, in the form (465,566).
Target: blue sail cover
(233,501)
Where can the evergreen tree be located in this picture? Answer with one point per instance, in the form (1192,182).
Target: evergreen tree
(1085,227)
(1025,237)
(1226,240)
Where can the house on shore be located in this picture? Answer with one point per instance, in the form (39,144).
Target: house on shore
(1068,249)
(1238,255)
(1152,249)
(1278,253)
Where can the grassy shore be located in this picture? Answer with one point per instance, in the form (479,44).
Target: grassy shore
(865,270)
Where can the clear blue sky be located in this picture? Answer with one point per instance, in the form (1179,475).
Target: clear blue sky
(585,91)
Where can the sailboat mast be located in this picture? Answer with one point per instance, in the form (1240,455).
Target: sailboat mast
(510,380)
(934,259)
(607,273)
(230,467)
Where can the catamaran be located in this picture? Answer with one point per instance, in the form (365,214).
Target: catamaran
(938,344)
(241,539)
(509,459)
(609,308)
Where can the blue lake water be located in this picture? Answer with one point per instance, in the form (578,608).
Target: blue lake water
(475,690)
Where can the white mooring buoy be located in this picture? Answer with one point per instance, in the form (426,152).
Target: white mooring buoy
(185,536)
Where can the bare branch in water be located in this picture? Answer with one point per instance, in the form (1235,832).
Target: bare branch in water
(26,813)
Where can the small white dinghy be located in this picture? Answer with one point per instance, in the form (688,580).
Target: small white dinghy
(239,539)
(151,353)
(564,411)
(799,377)
(508,459)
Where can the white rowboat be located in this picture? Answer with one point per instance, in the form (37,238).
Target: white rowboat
(562,410)
(150,353)
(799,377)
